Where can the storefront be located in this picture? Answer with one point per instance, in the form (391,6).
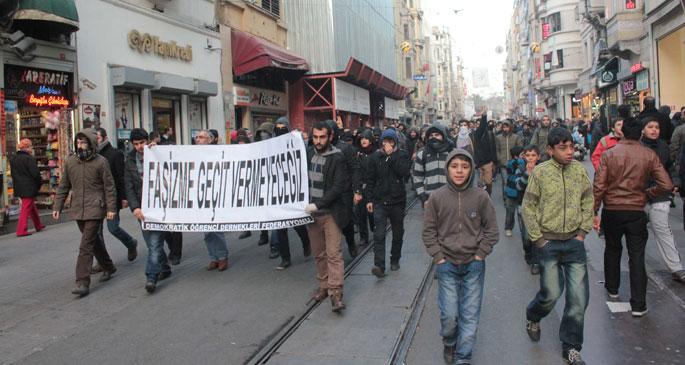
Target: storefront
(38,106)
(356,95)
(636,88)
(37,96)
(150,71)
(262,72)
(671,64)
(608,89)
(254,106)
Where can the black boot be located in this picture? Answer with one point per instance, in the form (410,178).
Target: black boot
(263,238)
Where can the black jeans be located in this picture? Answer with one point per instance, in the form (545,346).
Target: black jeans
(284,242)
(632,225)
(363,220)
(381,214)
(174,241)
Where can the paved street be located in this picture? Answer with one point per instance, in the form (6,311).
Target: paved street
(209,317)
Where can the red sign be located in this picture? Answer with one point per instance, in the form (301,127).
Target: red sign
(540,110)
(44,100)
(546,30)
(636,68)
(630,4)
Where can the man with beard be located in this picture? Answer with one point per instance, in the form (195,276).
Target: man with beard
(356,187)
(87,174)
(429,166)
(330,206)
(540,138)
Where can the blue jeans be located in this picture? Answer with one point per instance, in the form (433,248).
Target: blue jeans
(460,295)
(119,233)
(563,263)
(156,257)
(216,245)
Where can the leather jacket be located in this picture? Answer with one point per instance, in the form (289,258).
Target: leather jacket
(622,181)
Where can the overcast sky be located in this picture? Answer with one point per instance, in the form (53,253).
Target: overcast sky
(476,32)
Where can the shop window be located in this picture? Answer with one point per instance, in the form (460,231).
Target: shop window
(164,115)
(272,6)
(126,116)
(197,115)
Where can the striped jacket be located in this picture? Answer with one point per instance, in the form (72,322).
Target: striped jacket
(429,172)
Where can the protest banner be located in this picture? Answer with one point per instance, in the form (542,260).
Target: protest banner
(250,187)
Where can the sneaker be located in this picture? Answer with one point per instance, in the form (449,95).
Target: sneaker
(679,276)
(274,254)
(533,329)
(133,251)
(81,290)
(96,269)
(175,261)
(612,296)
(394,266)
(535,269)
(106,275)
(639,313)
(572,357)
(320,295)
(150,286)
(378,272)
(508,233)
(283,265)
(448,354)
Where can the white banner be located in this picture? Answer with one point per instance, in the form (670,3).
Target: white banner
(250,187)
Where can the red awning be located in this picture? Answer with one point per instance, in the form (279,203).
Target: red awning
(363,75)
(252,53)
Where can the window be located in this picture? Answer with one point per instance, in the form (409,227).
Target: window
(406,32)
(272,6)
(554,22)
(408,69)
(560,58)
(548,61)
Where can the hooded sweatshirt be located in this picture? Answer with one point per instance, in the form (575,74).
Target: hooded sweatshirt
(459,221)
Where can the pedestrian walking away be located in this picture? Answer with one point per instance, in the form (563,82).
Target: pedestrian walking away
(459,232)
(26,181)
(387,169)
(557,211)
(88,176)
(328,184)
(622,186)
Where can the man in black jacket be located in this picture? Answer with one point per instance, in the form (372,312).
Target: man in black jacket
(116,166)
(388,167)
(157,267)
(651,112)
(485,152)
(331,208)
(356,187)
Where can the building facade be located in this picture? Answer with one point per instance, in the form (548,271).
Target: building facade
(158,69)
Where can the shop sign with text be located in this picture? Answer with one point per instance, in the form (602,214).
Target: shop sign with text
(259,98)
(38,87)
(151,44)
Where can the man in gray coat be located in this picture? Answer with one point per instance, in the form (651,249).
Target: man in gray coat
(88,175)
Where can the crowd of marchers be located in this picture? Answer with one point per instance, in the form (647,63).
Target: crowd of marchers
(358,183)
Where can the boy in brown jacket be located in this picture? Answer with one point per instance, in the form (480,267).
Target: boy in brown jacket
(459,231)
